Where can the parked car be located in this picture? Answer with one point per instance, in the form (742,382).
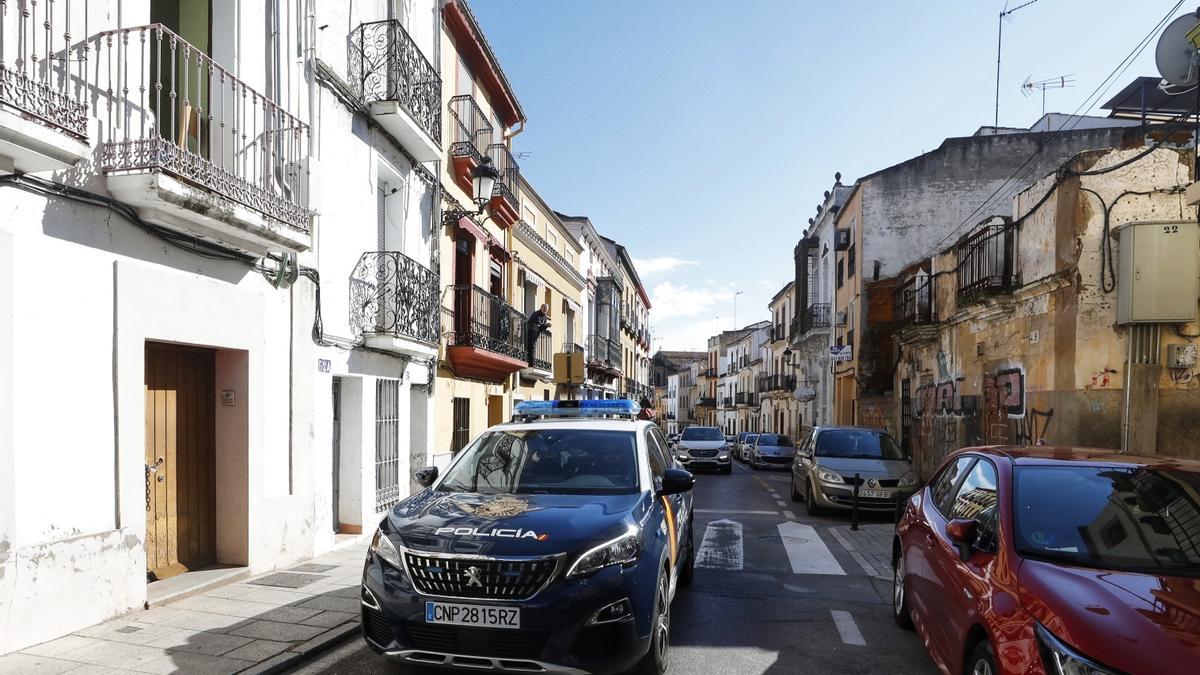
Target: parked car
(703,448)
(772,451)
(738,444)
(672,439)
(828,460)
(548,545)
(1053,561)
(745,445)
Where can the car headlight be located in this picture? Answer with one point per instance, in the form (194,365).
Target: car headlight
(908,480)
(1059,659)
(723,455)
(383,547)
(828,476)
(681,456)
(623,550)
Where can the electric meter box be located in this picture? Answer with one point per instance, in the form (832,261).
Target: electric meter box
(1159,264)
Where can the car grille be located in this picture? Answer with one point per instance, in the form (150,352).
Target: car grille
(376,627)
(496,643)
(703,453)
(497,579)
(770,459)
(883,482)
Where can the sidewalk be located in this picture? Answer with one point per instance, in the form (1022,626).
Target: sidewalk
(259,625)
(870,546)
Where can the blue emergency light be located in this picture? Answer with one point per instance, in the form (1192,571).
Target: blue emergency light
(584,408)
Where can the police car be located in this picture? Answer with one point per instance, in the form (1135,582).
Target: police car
(554,543)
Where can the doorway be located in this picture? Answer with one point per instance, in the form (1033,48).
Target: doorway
(182,113)
(495,410)
(337,452)
(180,459)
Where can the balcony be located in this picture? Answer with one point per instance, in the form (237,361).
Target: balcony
(727,402)
(743,399)
(394,304)
(776,383)
(816,316)
(985,264)
(706,402)
(603,357)
(506,207)
(540,359)
(487,340)
(470,135)
(913,301)
(399,85)
(43,109)
(194,148)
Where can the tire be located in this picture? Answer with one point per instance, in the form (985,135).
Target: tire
(655,660)
(689,565)
(982,660)
(810,502)
(901,613)
(795,495)
(728,469)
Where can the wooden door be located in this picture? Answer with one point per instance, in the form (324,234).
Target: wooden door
(180,460)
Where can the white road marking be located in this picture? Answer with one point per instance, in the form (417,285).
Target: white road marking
(805,550)
(781,502)
(737,512)
(790,514)
(847,628)
(721,547)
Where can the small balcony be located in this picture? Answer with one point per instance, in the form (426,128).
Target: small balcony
(776,383)
(43,109)
(817,316)
(706,402)
(540,358)
(399,85)
(470,136)
(985,264)
(913,301)
(727,402)
(394,304)
(603,357)
(487,337)
(194,148)
(506,207)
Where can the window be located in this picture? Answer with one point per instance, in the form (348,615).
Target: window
(387,443)
(976,500)
(943,487)
(850,338)
(840,272)
(555,461)
(657,454)
(850,262)
(461,429)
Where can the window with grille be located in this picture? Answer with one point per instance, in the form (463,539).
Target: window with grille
(841,270)
(387,443)
(461,432)
(850,262)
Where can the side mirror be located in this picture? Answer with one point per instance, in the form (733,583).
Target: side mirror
(426,476)
(675,481)
(962,534)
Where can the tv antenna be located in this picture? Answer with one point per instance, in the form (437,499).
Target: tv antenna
(1060,82)
(1176,54)
(1004,14)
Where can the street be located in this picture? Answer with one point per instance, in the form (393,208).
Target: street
(767,598)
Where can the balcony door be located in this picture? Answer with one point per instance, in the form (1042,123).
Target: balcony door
(182,120)
(464,261)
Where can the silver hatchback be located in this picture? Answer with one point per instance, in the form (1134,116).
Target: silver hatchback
(829,460)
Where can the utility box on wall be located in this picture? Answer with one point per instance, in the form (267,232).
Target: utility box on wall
(1157,274)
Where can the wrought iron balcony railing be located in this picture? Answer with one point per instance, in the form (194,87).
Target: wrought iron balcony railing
(572,347)
(42,81)
(913,301)
(392,294)
(470,131)
(727,402)
(485,321)
(817,315)
(541,354)
(603,352)
(706,401)
(776,383)
(388,66)
(985,263)
(167,106)
(510,174)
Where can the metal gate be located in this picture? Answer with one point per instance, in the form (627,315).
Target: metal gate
(387,444)
(906,416)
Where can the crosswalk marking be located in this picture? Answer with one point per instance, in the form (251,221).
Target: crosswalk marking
(805,550)
(847,628)
(721,547)
(737,512)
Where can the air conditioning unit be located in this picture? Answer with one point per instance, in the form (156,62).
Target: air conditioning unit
(841,239)
(840,318)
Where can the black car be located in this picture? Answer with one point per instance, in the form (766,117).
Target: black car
(553,545)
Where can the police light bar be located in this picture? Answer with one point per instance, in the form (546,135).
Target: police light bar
(584,408)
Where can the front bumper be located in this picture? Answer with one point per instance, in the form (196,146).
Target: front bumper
(773,461)
(554,637)
(842,497)
(692,463)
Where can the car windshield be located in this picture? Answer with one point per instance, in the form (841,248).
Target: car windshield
(702,434)
(857,444)
(775,440)
(1131,519)
(554,461)
(751,438)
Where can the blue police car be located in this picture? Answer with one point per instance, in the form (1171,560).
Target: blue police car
(554,543)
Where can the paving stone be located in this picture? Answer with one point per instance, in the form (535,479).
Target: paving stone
(131,632)
(276,597)
(329,638)
(93,669)
(288,614)
(275,664)
(201,642)
(329,619)
(313,568)
(116,654)
(273,630)
(287,580)
(194,664)
(200,603)
(56,648)
(332,602)
(258,650)
(21,664)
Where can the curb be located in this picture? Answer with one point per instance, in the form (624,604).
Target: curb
(314,647)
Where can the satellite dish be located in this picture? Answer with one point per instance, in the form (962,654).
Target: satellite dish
(1175,55)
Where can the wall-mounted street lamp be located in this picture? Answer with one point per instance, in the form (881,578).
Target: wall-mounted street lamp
(483,180)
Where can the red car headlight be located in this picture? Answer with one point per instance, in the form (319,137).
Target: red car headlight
(1059,659)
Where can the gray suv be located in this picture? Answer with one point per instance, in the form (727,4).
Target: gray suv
(829,458)
(703,448)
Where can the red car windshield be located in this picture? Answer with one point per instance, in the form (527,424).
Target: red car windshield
(1118,518)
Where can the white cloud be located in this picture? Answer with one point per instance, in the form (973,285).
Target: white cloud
(648,266)
(670,300)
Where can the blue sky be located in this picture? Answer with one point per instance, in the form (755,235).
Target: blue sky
(702,134)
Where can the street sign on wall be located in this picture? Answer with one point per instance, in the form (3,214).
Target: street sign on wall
(841,353)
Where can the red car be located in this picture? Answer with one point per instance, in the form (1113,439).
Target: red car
(1055,561)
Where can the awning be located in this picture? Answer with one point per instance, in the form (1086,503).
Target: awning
(530,275)
(494,245)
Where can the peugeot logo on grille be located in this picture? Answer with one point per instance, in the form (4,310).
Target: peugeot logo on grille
(472,574)
(872,483)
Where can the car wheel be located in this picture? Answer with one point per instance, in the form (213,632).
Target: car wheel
(900,611)
(728,469)
(655,660)
(810,501)
(689,565)
(982,660)
(795,495)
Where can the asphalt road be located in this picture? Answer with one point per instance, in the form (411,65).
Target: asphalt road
(770,595)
